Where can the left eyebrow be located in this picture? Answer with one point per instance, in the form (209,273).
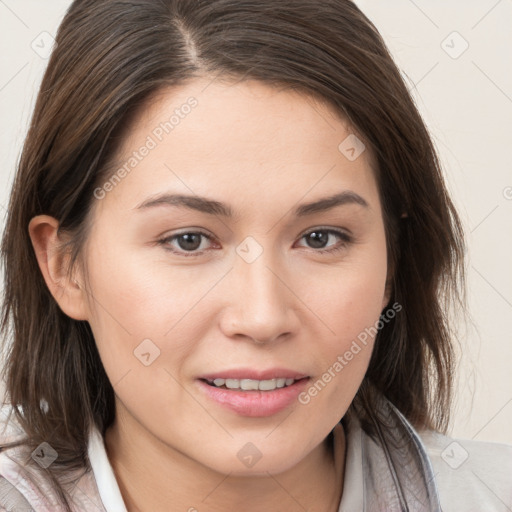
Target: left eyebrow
(343,198)
(213,207)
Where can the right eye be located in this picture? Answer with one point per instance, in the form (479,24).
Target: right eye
(188,243)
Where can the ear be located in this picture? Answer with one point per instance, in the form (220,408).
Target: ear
(54,262)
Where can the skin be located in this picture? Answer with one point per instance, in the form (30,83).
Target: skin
(262,151)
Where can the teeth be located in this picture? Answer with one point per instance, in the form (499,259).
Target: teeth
(248,384)
(267,385)
(232,383)
(252,385)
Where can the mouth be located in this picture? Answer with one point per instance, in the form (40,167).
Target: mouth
(254,397)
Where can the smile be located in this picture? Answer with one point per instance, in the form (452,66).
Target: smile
(252,397)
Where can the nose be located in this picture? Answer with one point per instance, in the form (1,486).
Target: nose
(260,305)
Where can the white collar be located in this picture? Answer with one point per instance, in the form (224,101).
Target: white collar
(106,482)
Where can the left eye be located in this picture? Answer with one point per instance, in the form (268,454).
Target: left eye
(189,243)
(320,236)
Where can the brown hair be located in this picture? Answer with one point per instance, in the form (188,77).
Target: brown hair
(111,57)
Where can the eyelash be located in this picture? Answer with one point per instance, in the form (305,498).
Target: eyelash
(346,239)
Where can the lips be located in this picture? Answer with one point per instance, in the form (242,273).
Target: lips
(278,389)
(254,403)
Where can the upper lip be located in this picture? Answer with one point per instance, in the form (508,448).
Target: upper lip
(251,373)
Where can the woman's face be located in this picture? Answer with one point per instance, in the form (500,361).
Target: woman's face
(240,278)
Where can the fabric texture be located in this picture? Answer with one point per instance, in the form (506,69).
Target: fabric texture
(391,468)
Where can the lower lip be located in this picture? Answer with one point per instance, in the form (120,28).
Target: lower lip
(255,403)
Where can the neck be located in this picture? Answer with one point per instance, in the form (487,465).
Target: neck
(144,467)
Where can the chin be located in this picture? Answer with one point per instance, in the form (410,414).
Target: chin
(253,459)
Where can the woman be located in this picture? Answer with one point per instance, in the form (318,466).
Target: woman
(228,259)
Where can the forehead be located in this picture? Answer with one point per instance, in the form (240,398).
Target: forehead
(242,140)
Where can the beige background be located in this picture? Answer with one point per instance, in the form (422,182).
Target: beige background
(465,96)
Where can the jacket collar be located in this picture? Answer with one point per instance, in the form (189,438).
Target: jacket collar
(388,468)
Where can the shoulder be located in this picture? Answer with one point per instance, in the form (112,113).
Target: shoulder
(24,485)
(11,474)
(11,499)
(470,474)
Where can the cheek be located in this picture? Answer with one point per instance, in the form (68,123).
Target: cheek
(137,309)
(341,359)
(350,297)
(355,316)
(349,302)
(141,292)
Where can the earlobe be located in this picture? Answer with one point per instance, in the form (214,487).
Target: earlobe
(54,264)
